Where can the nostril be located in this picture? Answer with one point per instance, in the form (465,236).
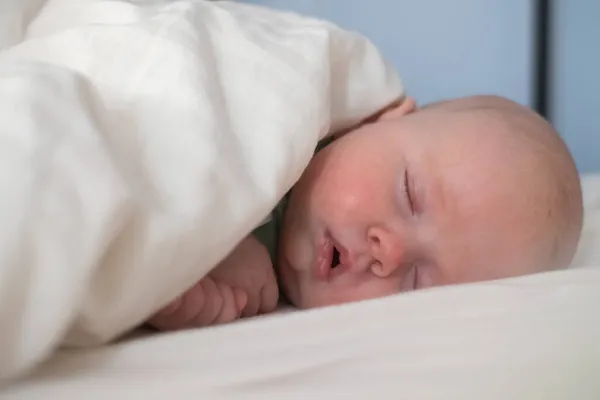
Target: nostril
(374,240)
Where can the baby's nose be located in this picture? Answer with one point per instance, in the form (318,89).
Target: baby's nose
(387,250)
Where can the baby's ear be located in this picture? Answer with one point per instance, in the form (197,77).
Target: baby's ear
(394,110)
(397,110)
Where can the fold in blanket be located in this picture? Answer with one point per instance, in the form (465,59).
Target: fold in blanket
(142,140)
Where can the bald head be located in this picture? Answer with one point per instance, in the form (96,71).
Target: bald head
(538,168)
(467,190)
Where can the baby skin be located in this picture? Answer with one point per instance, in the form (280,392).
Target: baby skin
(466,190)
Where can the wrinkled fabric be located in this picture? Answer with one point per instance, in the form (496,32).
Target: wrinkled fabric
(141,140)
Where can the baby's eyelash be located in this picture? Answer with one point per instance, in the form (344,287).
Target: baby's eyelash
(416,278)
(407,191)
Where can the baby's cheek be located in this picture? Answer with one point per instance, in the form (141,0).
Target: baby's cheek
(354,288)
(426,277)
(299,252)
(354,200)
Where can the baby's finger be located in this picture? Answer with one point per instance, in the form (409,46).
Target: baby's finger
(177,314)
(213,302)
(269,296)
(171,307)
(192,304)
(229,310)
(241,299)
(166,322)
(252,305)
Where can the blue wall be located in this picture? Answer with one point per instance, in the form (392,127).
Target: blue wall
(450,48)
(576,89)
(441,48)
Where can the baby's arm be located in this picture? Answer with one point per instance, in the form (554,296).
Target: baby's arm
(243,284)
(206,303)
(249,268)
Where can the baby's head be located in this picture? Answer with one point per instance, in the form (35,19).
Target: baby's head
(466,190)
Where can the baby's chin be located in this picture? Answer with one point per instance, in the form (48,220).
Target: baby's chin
(295,287)
(289,288)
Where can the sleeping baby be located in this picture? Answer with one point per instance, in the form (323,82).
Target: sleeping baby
(460,191)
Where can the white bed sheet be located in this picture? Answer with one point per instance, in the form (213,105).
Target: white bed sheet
(535,337)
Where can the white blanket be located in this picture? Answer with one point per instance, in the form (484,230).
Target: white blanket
(142,140)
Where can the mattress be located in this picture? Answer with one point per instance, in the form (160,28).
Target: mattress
(535,337)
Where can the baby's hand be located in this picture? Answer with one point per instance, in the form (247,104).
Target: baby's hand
(249,268)
(206,303)
(242,285)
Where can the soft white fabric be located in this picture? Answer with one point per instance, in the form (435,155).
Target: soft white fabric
(531,338)
(588,253)
(142,140)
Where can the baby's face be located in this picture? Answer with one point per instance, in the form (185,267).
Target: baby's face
(405,204)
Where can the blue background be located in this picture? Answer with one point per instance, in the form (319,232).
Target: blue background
(444,49)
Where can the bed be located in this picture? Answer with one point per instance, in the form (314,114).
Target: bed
(117,226)
(535,337)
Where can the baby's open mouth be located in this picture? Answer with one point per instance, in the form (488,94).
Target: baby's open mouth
(331,257)
(335,259)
